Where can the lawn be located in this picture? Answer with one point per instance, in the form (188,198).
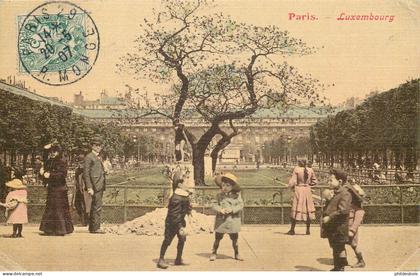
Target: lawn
(154,177)
(146,176)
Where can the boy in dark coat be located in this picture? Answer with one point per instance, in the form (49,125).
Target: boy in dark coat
(179,206)
(336,218)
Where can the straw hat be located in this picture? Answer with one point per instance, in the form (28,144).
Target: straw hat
(16,184)
(228,177)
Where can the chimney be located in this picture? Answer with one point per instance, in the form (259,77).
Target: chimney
(78,99)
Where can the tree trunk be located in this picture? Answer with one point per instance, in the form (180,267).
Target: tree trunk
(13,158)
(385,158)
(24,160)
(198,163)
(213,163)
(198,151)
(397,158)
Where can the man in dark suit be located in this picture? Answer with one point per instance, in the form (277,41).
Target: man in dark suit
(94,177)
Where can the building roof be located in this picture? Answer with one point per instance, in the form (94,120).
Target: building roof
(293,112)
(28,94)
(112,101)
(106,113)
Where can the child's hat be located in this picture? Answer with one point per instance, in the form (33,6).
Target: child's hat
(16,184)
(228,177)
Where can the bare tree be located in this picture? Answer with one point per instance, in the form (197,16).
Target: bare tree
(222,70)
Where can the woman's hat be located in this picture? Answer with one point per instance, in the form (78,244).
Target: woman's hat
(53,146)
(228,177)
(16,184)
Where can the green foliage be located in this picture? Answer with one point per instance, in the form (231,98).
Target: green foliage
(384,122)
(286,146)
(27,125)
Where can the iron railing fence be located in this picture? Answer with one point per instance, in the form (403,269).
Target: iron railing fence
(263,203)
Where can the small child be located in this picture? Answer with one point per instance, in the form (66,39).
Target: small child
(16,201)
(228,205)
(179,206)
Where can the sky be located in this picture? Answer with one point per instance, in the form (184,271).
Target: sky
(354,57)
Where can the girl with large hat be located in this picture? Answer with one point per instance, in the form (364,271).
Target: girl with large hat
(228,205)
(16,202)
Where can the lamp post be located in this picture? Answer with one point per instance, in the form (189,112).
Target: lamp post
(135,140)
(289,140)
(263,153)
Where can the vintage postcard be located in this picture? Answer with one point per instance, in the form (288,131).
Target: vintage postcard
(209,135)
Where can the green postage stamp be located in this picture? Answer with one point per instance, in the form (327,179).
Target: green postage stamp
(58,43)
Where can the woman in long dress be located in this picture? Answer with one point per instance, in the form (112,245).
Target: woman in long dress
(303,208)
(56,220)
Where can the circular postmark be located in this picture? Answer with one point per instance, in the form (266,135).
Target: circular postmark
(58,43)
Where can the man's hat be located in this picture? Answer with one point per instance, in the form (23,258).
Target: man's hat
(16,184)
(228,177)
